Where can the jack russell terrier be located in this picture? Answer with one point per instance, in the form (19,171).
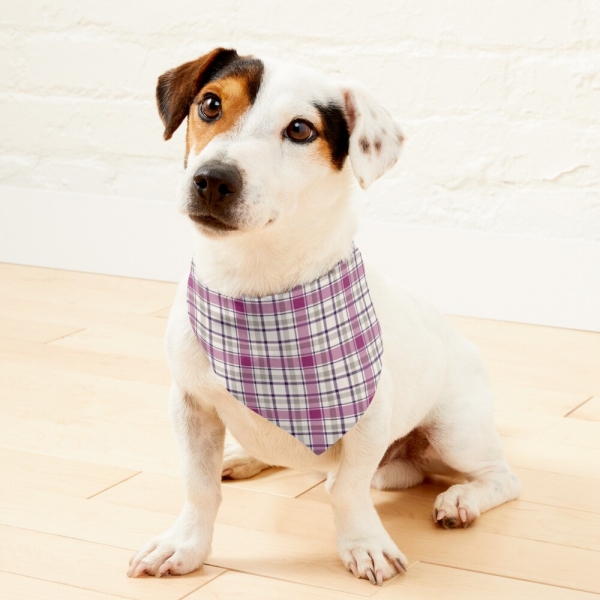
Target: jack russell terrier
(280,332)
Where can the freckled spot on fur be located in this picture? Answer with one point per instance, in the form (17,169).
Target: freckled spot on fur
(377,145)
(400,138)
(365,146)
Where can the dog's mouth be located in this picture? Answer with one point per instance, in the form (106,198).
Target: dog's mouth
(211,222)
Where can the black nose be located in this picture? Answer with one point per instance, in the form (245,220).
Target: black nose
(217,183)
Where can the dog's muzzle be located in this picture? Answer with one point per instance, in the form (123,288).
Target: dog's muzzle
(216,187)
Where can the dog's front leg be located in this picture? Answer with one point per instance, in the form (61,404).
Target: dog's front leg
(364,545)
(184,547)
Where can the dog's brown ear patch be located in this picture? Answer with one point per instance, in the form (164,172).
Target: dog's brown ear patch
(177,88)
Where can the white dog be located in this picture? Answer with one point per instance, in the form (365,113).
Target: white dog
(266,186)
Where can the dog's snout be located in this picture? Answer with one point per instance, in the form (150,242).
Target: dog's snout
(217,183)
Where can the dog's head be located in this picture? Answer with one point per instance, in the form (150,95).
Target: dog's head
(265,138)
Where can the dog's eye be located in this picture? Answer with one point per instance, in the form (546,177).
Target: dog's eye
(299,130)
(210,108)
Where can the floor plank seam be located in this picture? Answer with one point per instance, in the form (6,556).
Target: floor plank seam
(205,584)
(312,487)
(113,485)
(578,406)
(62,337)
(76,587)
(70,537)
(307,584)
(593,478)
(554,585)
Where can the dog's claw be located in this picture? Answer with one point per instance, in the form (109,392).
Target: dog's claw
(354,569)
(371,576)
(439,515)
(399,566)
(379,577)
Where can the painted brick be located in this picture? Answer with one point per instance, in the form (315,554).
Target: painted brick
(499,100)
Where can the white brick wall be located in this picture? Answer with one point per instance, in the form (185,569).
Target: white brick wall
(500,99)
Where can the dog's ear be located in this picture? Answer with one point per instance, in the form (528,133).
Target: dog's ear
(177,88)
(375,138)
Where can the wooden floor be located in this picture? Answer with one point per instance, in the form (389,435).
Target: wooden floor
(89,470)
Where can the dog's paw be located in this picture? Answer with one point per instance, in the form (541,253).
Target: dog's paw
(372,559)
(456,507)
(171,553)
(238,464)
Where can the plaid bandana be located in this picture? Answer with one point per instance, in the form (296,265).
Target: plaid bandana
(308,360)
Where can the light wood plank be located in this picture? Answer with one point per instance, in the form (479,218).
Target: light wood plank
(551,456)
(524,411)
(111,340)
(49,473)
(78,316)
(550,358)
(121,444)
(72,288)
(18,587)
(33,331)
(250,587)
(555,489)
(95,418)
(573,432)
(426,581)
(90,566)
(81,361)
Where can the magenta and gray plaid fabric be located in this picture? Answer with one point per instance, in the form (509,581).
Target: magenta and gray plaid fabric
(308,360)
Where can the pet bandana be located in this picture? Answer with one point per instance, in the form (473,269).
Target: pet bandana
(307,360)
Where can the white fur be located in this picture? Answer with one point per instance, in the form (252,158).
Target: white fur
(295,223)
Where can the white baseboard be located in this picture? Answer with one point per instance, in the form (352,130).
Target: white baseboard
(531,280)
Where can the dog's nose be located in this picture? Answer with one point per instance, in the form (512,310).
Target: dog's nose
(218,183)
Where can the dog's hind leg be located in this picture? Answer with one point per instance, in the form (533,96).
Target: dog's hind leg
(468,442)
(400,466)
(238,464)
(398,474)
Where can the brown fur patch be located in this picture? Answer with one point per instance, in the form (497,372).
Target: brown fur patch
(236,99)
(350,110)
(411,447)
(377,145)
(177,88)
(334,137)
(365,145)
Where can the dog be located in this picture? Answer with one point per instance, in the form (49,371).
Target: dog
(271,150)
